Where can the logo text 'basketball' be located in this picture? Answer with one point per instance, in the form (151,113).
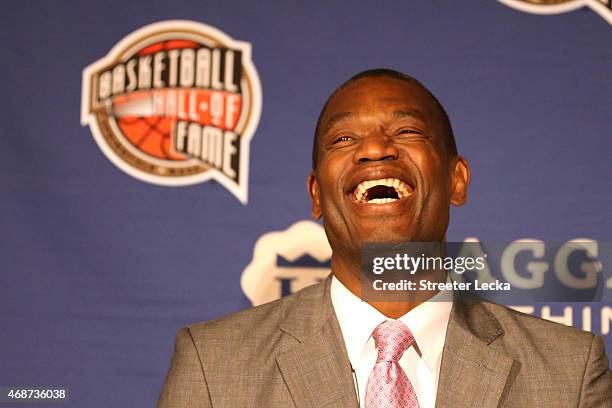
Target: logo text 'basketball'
(175,103)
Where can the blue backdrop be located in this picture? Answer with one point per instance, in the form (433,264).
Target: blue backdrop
(99,269)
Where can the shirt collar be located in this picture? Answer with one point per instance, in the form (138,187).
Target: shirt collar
(428,322)
(358,319)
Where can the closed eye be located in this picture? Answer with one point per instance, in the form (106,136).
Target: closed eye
(342,139)
(410,133)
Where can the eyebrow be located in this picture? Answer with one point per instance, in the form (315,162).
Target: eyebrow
(411,113)
(338,117)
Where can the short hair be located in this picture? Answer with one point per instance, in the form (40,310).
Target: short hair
(389,73)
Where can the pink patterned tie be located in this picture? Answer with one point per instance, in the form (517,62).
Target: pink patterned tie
(388,385)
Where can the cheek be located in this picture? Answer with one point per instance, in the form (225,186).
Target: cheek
(433,169)
(330,178)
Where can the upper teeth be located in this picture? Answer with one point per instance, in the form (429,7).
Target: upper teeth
(401,188)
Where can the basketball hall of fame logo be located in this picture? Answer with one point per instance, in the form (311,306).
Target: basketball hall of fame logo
(602,7)
(175,103)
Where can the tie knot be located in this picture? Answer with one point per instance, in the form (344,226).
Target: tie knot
(392,338)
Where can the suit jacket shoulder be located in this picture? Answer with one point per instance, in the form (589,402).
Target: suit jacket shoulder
(264,328)
(281,354)
(515,359)
(537,332)
(566,361)
(260,321)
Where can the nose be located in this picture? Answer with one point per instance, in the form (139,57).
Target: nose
(376,147)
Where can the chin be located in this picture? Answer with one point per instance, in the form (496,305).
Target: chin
(388,236)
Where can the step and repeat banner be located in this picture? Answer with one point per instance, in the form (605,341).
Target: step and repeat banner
(154,155)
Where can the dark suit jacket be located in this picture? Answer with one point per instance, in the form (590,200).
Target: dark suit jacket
(290,353)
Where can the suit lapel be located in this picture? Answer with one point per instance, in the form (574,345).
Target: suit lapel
(472,372)
(316,369)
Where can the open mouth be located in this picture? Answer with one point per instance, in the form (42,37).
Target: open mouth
(381,191)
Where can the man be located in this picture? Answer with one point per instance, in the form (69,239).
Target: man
(385,169)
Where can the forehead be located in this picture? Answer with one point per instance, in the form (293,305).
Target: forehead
(380,95)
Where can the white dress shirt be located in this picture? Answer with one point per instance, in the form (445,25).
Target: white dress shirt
(420,362)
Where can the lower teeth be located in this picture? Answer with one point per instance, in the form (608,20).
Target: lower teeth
(381,200)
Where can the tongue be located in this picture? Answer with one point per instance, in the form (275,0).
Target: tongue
(381,191)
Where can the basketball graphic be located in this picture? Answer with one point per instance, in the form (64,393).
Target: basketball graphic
(175,103)
(149,133)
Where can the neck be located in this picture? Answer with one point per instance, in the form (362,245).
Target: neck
(348,271)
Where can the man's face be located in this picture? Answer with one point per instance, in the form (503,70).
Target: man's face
(384,173)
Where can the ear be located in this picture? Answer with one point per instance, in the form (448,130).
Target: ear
(460,180)
(315,197)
